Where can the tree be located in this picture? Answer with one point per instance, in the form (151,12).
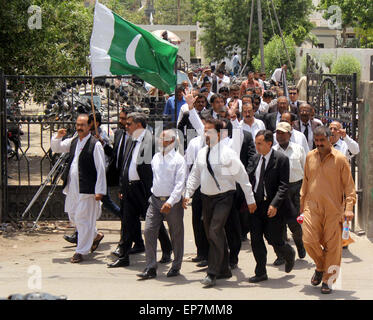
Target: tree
(353,13)
(166,12)
(226,24)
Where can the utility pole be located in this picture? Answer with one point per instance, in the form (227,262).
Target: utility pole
(248,54)
(178,12)
(260,24)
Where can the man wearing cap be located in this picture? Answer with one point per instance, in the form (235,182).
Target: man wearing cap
(297,160)
(205,73)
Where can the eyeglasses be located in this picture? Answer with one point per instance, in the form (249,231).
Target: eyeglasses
(292,93)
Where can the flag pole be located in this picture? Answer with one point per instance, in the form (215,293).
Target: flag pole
(175,94)
(93,107)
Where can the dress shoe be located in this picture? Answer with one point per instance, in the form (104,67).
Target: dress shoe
(289,263)
(301,252)
(225,275)
(148,274)
(198,259)
(279,262)
(209,281)
(244,238)
(77,257)
(72,238)
(121,262)
(233,266)
(257,279)
(345,247)
(166,257)
(116,252)
(136,250)
(202,264)
(173,273)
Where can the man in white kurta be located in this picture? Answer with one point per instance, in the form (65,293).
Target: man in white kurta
(83,209)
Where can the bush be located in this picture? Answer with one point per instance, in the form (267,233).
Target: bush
(328,59)
(274,50)
(346,64)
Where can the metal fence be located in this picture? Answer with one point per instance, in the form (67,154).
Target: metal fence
(33,108)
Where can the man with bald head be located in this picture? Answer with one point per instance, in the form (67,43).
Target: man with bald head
(306,125)
(341,141)
(272,119)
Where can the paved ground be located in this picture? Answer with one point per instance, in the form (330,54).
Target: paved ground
(23,253)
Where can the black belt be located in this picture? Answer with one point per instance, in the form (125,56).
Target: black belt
(161,198)
(134,182)
(295,183)
(219,194)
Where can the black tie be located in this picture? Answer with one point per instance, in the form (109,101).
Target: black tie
(128,158)
(306,131)
(210,169)
(260,189)
(121,154)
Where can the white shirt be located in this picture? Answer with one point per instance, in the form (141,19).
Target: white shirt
(169,175)
(193,148)
(318,121)
(278,119)
(263,107)
(200,81)
(276,76)
(184,108)
(254,128)
(310,133)
(298,138)
(347,146)
(259,167)
(228,170)
(239,104)
(224,83)
(132,170)
(297,160)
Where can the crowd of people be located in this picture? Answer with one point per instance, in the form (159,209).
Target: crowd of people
(250,158)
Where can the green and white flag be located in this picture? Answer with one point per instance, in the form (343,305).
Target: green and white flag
(119,47)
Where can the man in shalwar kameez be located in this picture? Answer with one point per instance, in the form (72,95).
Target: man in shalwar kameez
(85,181)
(327,199)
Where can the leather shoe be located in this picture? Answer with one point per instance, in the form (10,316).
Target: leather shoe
(77,257)
(72,238)
(121,262)
(279,262)
(202,264)
(301,252)
(116,252)
(197,259)
(257,279)
(173,273)
(148,274)
(233,266)
(135,250)
(166,257)
(209,281)
(225,275)
(289,263)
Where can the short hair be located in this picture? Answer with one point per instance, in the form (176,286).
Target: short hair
(179,87)
(283,97)
(223,89)
(216,96)
(125,110)
(98,118)
(256,97)
(267,134)
(293,117)
(138,117)
(201,96)
(268,94)
(293,88)
(234,87)
(218,124)
(322,131)
(247,96)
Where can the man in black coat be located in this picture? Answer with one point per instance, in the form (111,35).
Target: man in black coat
(135,182)
(272,119)
(269,177)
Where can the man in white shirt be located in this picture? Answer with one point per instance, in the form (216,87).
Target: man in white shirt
(249,122)
(277,75)
(234,94)
(84,183)
(221,81)
(297,160)
(169,175)
(217,170)
(296,136)
(341,141)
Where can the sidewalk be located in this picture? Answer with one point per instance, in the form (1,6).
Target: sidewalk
(21,252)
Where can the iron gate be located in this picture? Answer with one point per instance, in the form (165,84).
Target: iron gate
(38,106)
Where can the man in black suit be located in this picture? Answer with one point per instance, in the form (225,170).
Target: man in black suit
(269,177)
(135,181)
(217,103)
(272,119)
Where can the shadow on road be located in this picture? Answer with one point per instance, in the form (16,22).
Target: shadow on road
(310,290)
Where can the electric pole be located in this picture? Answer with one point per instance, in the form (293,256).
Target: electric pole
(260,24)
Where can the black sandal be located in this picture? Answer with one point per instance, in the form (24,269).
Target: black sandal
(317,278)
(325,288)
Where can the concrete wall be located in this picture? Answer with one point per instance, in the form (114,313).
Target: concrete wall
(363,55)
(365,127)
(182,31)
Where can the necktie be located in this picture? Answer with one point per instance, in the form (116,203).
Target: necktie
(121,153)
(260,189)
(128,158)
(306,131)
(210,169)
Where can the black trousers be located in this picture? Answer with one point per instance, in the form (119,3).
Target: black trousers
(215,212)
(294,226)
(239,203)
(198,229)
(233,233)
(272,230)
(133,205)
